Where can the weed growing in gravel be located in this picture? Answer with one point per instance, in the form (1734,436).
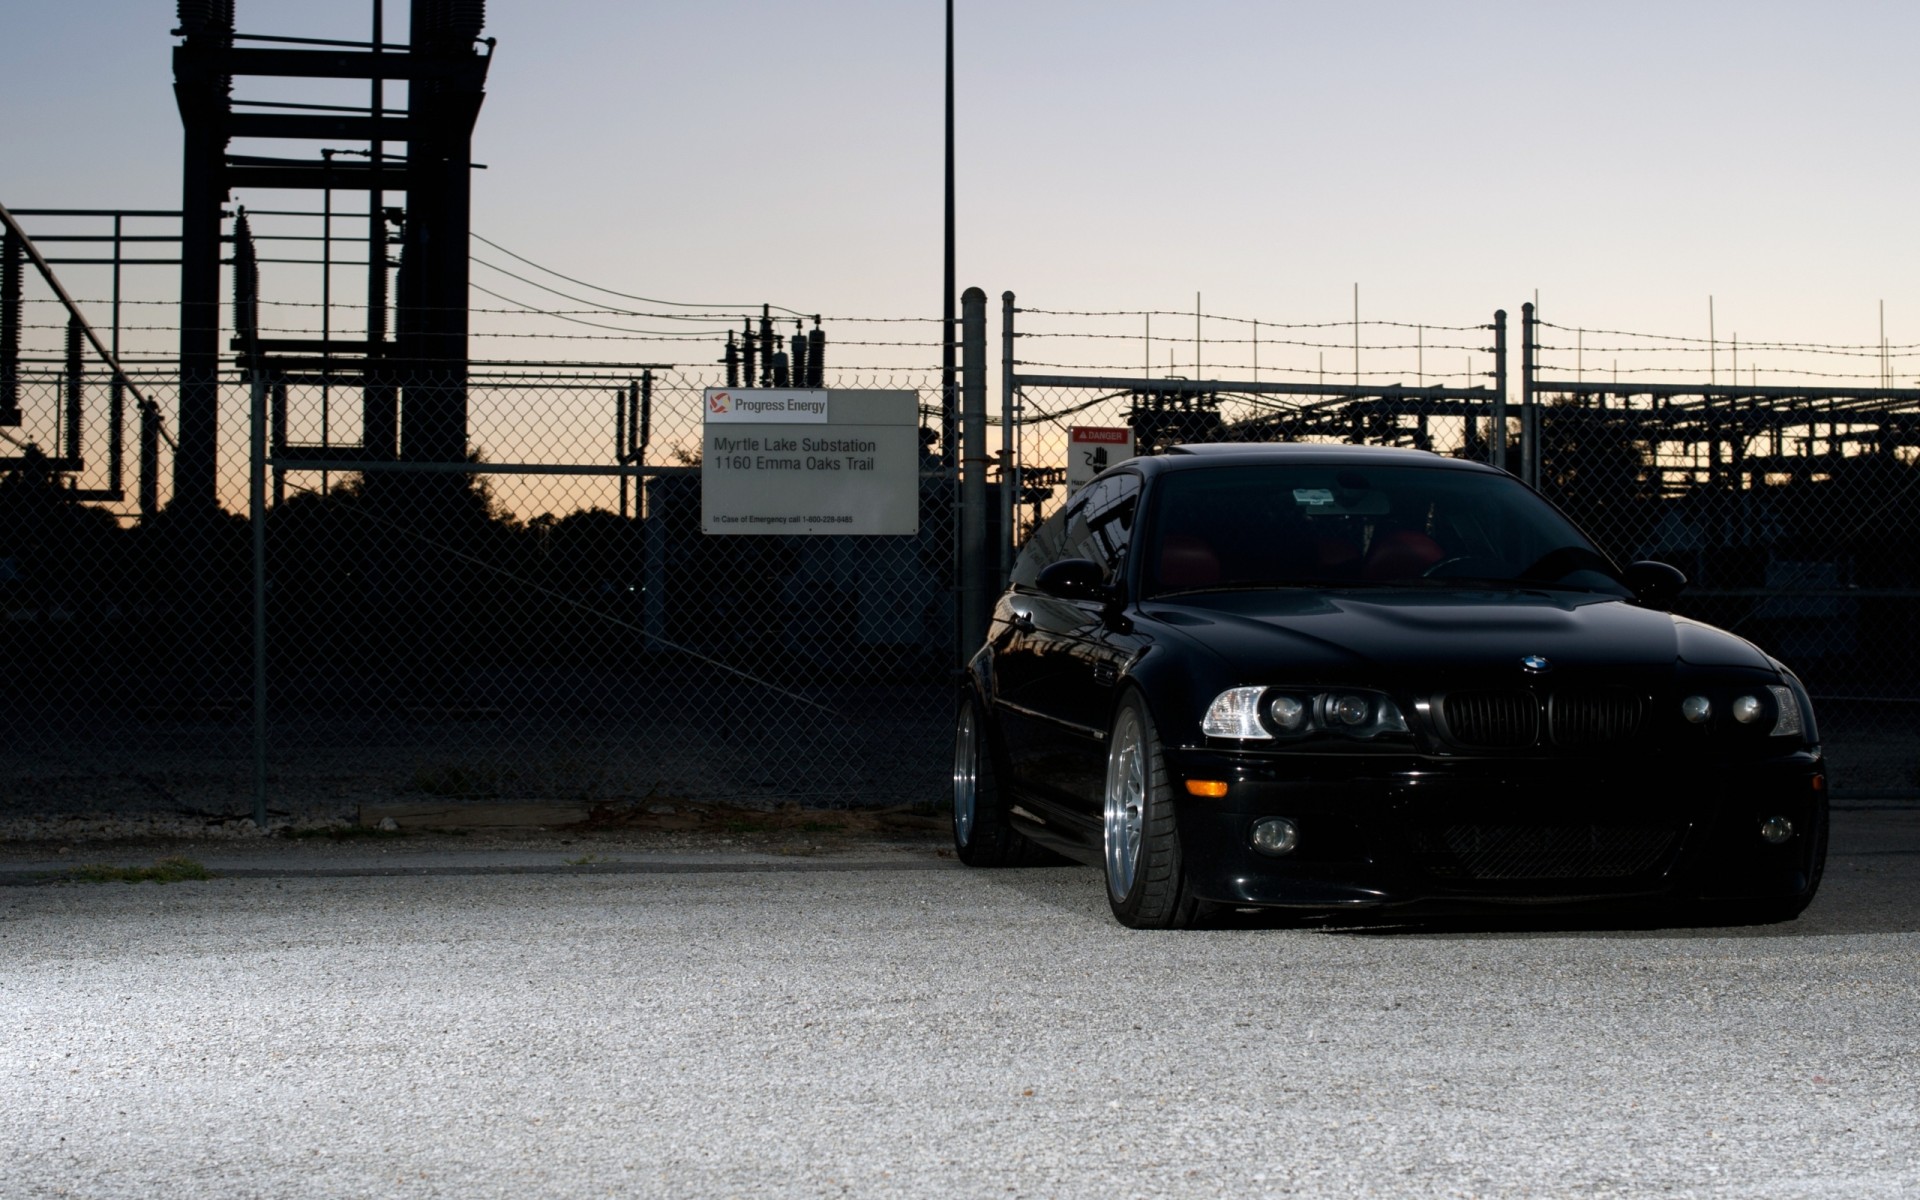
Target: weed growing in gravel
(167,870)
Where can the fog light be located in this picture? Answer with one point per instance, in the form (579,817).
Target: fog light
(1275,835)
(1775,830)
(1746,709)
(1696,709)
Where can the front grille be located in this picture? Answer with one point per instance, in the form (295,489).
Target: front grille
(1520,852)
(1493,720)
(1594,718)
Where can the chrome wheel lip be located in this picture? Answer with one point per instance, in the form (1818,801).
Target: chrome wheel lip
(966,774)
(1125,815)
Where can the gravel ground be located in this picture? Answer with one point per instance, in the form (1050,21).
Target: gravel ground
(874,1021)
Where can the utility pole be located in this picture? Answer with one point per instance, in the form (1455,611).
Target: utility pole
(949,398)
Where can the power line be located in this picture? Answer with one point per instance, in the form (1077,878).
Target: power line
(625,295)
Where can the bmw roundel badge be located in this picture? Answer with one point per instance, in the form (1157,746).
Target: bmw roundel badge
(1534,664)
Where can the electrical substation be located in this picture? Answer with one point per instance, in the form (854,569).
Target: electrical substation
(368,478)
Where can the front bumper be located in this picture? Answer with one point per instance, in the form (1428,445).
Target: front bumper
(1471,835)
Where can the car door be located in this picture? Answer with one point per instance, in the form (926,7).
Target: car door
(1058,699)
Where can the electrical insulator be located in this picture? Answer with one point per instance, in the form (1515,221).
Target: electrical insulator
(733,361)
(750,350)
(780,377)
(817,357)
(767,340)
(799,358)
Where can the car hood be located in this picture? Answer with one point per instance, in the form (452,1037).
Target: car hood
(1412,630)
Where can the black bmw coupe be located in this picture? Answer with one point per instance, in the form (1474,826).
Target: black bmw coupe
(1333,678)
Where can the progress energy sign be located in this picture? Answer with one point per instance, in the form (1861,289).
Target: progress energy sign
(793,461)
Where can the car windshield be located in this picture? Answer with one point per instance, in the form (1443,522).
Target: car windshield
(1283,525)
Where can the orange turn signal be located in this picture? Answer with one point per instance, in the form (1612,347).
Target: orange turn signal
(1214,788)
(1819,783)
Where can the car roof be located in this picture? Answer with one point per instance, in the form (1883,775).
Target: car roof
(1206,454)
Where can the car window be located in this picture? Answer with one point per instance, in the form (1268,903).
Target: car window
(1097,524)
(1276,524)
(1102,525)
(1046,544)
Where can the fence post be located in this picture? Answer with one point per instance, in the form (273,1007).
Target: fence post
(257,518)
(1529,414)
(1497,429)
(1009,475)
(975,566)
(149,460)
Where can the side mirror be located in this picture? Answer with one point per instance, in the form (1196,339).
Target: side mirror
(1654,584)
(1074,579)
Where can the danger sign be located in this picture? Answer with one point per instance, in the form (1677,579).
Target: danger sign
(1091,449)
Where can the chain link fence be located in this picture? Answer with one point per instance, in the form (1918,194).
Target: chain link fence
(547,622)
(1791,506)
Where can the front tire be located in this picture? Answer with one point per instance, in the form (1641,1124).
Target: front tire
(1146,876)
(982,835)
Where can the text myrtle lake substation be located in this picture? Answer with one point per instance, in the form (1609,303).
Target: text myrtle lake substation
(782,453)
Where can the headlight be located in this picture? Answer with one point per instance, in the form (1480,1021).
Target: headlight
(1235,713)
(1788,722)
(1290,713)
(1262,714)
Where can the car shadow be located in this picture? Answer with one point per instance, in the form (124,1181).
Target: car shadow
(1861,894)
(1867,891)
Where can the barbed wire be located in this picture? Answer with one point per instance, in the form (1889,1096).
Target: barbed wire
(1189,313)
(1671,337)
(1600,374)
(1331,376)
(1721,348)
(1175,340)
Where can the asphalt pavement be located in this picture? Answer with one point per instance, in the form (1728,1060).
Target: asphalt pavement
(880,1022)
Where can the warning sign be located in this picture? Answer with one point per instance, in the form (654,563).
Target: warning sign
(1091,449)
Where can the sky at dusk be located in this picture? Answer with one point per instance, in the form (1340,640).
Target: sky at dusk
(1627,160)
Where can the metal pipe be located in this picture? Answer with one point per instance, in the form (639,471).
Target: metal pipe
(59,290)
(149,460)
(257,519)
(1529,412)
(1009,481)
(646,414)
(11,252)
(76,390)
(620,440)
(975,567)
(1497,429)
(949,282)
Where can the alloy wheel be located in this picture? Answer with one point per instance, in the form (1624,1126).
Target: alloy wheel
(1126,804)
(966,774)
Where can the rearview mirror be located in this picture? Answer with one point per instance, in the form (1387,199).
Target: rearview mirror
(1074,579)
(1654,584)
